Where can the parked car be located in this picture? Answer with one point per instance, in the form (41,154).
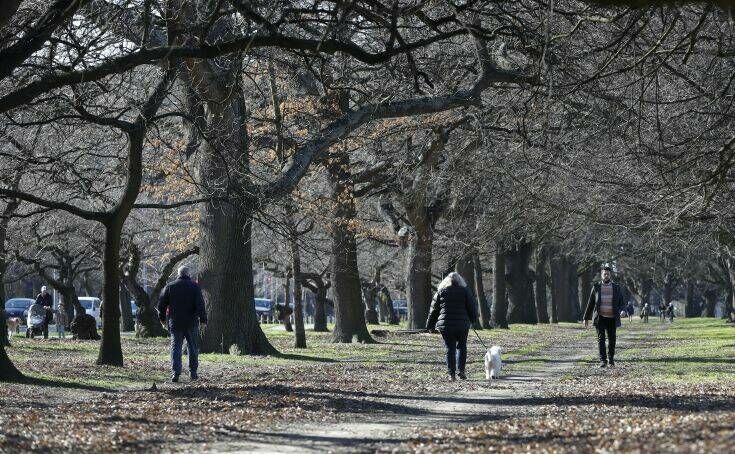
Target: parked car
(92,306)
(18,307)
(401,307)
(263,306)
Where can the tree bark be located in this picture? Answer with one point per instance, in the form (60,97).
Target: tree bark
(300,331)
(4,339)
(226,275)
(480,292)
(348,306)
(386,302)
(585,288)
(8,371)
(668,289)
(521,305)
(574,289)
(710,297)
(318,288)
(465,266)
(691,308)
(418,273)
(111,348)
(542,299)
(320,310)
(127,323)
(226,279)
(564,297)
(500,299)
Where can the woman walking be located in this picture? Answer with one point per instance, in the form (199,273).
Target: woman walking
(452,313)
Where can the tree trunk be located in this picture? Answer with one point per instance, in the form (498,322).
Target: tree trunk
(500,299)
(71,300)
(320,310)
(710,297)
(521,305)
(127,323)
(226,279)
(585,289)
(691,309)
(370,293)
(8,371)
(668,289)
(574,289)
(480,292)
(387,304)
(465,266)
(110,353)
(4,339)
(348,306)
(418,274)
(564,298)
(298,314)
(148,324)
(287,312)
(542,299)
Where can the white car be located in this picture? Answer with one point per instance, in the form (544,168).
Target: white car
(92,307)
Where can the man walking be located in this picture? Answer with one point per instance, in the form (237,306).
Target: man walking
(46,300)
(182,306)
(603,308)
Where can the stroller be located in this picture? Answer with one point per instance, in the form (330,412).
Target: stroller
(36,320)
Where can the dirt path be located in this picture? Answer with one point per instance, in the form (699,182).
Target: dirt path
(513,395)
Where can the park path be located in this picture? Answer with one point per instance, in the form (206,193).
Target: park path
(510,396)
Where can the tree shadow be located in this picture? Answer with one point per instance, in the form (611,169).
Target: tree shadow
(683,359)
(298,357)
(55,383)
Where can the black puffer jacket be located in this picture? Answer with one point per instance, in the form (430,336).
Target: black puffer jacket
(453,308)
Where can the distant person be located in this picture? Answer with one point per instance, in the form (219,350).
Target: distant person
(645,312)
(662,311)
(670,312)
(629,311)
(47,301)
(452,313)
(181,306)
(603,308)
(62,319)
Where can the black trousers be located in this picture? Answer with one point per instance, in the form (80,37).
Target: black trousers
(606,328)
(456,342)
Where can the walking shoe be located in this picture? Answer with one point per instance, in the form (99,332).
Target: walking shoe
(194,376)
(174,378)
(451,377)
(603,364)
(462,376)
(612,363)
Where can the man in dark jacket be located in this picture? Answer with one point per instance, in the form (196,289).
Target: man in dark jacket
(453,310)
(182,306)
(603,308)
(47,301)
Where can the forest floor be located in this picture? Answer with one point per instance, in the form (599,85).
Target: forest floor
(673,391)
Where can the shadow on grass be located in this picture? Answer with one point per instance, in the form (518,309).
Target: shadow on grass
(55,383)
(298,357)
(683,403)
(684,359)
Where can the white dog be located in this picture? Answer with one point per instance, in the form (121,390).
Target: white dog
(13,325)
(493,363)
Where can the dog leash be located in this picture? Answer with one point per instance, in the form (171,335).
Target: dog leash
(479,338)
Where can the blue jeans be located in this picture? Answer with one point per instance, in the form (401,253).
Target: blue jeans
(177,341)
(456,343)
